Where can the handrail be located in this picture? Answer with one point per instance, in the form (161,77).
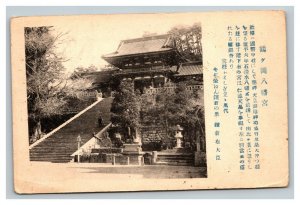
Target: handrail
(64,124)
(102,130)
(95,136)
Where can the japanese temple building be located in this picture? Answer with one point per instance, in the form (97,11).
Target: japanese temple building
(151,63)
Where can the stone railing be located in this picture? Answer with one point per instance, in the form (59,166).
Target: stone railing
(141,70)
(154,91)
(195,87)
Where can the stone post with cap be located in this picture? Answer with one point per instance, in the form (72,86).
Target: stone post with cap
(178,136)
(78,144)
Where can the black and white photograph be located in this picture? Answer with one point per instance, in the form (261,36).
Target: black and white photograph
(125,101)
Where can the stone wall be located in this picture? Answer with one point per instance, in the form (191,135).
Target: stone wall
(155,138)
(112,158)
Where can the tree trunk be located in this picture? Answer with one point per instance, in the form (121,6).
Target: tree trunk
(37,131)
(167,128)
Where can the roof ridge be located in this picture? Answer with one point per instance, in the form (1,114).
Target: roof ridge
(154,37)
(192,63)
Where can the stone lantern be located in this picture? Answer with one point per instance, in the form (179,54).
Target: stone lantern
(178,136)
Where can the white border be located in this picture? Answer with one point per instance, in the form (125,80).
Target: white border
(151,3)
(3,54)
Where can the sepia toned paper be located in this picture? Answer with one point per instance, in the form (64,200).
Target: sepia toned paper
(93,36)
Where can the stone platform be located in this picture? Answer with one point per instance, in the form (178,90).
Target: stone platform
(133,153)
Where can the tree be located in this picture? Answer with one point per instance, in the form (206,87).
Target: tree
(181,107)
(91,68)
(125,110)
(47,84)
(188,41)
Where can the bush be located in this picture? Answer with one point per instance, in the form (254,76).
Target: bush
(152,146)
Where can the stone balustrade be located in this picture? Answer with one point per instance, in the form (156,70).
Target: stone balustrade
(154,91)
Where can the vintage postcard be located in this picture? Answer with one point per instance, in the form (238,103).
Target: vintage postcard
(144,102)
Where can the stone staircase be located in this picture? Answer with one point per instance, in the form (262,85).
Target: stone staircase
(176,157)
(59,146)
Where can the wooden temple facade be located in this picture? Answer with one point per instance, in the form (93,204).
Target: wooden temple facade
(151,63)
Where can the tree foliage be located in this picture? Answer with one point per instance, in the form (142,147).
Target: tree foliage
(125,110)
(91,68)
(188,41)
(43,71)
(48,87)
(169,109)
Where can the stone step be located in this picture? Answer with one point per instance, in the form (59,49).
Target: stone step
(47,149)
(175,163)
(61,144)
(175,160)
(172,157)
(50,145)
(174,154)
(175,157)
(49,154)
(52,157)
(53,161)
(51,151)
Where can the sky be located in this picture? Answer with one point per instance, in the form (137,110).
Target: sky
(90,37)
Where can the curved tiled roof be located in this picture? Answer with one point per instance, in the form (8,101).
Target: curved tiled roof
(142,45)
(189,69)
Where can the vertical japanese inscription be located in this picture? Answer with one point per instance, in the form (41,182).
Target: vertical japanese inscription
(217,123)
(241,61)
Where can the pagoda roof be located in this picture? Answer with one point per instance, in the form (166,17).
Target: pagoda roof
(188,69)
(102,76)
(150,44)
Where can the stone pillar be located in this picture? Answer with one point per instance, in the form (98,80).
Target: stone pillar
(139,160)
(197,158)
(178,136)
(98,95)
(113,159)
(154,157)
(137,139)
(142,160)
(128,161)
(198,142)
